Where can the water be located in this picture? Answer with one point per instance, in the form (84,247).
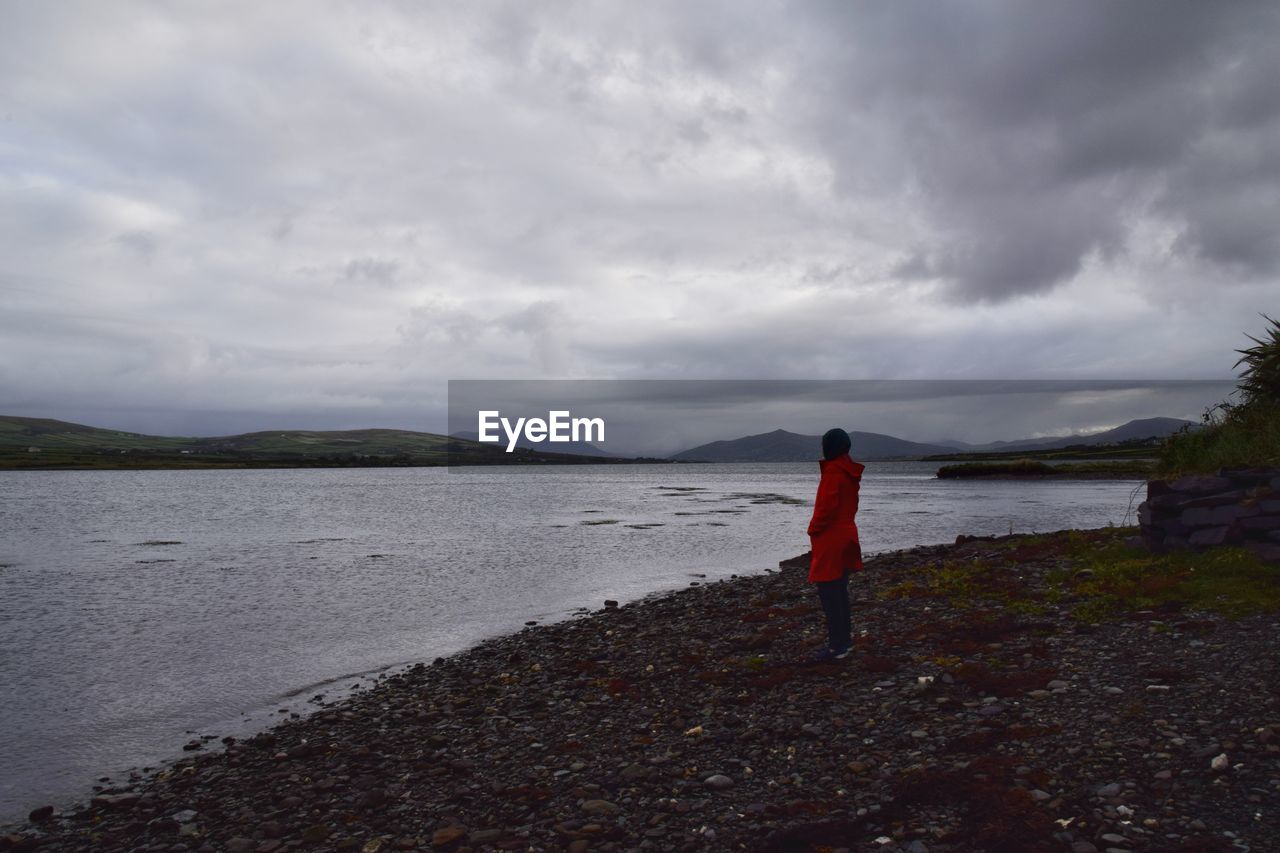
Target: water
(139,607)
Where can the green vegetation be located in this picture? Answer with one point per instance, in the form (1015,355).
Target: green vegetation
(965,584)
(1260,380)
(1241,434)
(1233,437)
(1116,578)
(1098,576)
(1134,469)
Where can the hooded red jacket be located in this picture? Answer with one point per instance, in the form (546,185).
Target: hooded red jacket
(832,529)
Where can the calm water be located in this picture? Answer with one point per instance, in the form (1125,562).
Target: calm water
(139,607)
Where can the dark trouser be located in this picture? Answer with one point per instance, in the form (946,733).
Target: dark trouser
(834,596)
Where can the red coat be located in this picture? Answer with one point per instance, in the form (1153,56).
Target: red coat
(832,530)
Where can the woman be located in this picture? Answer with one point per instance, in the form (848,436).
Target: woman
(834,537)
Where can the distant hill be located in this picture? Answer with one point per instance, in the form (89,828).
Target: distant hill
(952,443)
(783,446)
(49,434)
(1141,428)
(46,443)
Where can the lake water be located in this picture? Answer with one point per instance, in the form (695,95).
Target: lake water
(140,607)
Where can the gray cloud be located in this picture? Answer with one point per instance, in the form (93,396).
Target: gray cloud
(142,242)
(1034,135)
(211,214)
(375,270)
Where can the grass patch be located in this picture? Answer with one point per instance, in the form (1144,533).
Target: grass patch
(1096,572)
(963,583)
(1232,437)
(1027,608)
(1230,581)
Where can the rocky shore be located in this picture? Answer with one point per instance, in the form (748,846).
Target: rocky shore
(1030,693)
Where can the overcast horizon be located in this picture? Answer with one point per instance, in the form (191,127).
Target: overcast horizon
(662,417)
(230,217)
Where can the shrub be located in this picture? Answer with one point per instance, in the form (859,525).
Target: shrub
(1239,434)
(1232,437)
(1260,380)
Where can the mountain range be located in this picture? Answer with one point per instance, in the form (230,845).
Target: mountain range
(783,446)
(21,438)
(1131,431)
(47,443)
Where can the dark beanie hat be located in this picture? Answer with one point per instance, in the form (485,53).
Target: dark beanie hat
(834,443)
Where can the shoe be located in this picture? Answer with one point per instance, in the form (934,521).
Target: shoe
(826,654)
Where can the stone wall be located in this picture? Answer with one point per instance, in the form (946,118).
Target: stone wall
(1234,507)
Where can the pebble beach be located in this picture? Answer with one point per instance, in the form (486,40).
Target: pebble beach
(979,710)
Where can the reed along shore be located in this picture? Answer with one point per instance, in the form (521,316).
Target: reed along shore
(1036,693)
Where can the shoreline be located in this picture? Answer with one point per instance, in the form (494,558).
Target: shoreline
(692,720)
(177,464)
(1078,475)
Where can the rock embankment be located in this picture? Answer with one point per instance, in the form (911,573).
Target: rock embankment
(1233,507)
(978,712)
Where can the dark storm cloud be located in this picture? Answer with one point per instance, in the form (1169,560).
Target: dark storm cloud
(1034,134)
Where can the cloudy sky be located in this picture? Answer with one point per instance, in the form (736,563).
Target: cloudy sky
(218,217)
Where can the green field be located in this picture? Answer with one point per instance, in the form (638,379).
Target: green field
(41,443)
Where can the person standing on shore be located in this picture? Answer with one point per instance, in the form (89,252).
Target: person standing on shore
(833,534)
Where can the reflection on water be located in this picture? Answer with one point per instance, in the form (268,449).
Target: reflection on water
(140,608)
